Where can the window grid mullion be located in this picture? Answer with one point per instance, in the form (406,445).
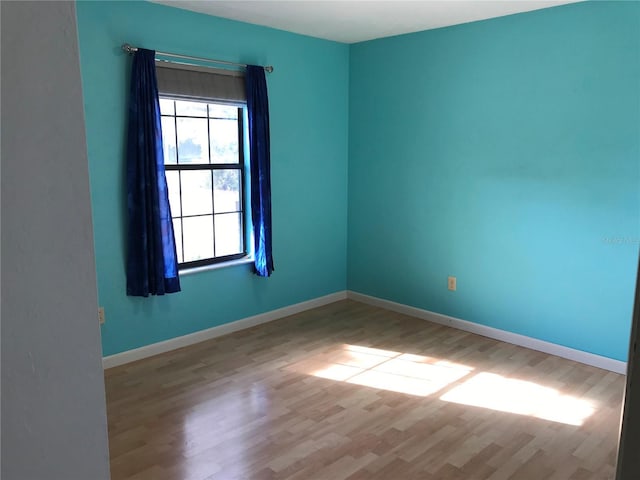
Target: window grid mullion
(197,215)
(175,133)
(200,117)
(240,116)
(205,166)
(213,186)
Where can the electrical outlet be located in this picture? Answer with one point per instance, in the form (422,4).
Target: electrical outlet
(451,283)
(101,315)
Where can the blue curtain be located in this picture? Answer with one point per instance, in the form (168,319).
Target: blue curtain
(258,112)
(152,267)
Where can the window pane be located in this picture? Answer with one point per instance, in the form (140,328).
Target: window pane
(177,232)
(226,190)
(228,234)
(224,141)
(223,111)
(196,192)
(173,185)
(198,238)
(169,140)
(166,106)
(193,144)
(191,109)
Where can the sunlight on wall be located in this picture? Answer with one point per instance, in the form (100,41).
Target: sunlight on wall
(423,376)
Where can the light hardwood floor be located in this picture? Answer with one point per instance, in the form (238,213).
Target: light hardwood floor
(350,391)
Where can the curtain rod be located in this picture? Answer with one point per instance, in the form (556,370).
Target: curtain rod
(129,49)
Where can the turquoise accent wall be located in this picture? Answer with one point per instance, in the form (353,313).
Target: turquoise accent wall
(506,153)
(309,113)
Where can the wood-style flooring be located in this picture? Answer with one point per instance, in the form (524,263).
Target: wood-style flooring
(350,391)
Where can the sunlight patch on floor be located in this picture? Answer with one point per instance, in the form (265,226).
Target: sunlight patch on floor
(389,370)
(496,392)
(423,376)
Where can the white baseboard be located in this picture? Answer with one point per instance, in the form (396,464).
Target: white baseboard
(534,344)
(201,336)
(599,361)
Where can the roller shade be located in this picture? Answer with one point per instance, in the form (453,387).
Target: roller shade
(199,82)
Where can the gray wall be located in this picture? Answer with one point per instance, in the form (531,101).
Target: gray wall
(53,404)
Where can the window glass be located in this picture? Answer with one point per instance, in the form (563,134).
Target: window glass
(169,140)
(193,141)
(166,107)
(173,185)
(228,234)
(224,141)
(196,192)
(191,109)
(226,191)
(197,236)
(204,167)
(177,231)
(223,111)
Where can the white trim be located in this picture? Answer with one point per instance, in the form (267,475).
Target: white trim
(217,266)
(201,336)
(599,361)
(516,339)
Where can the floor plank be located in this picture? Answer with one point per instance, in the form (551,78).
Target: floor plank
(350,391)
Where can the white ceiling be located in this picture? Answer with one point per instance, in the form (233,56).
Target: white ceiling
(360,20)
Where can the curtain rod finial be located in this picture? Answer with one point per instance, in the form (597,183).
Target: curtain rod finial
(268,69)
(128,48)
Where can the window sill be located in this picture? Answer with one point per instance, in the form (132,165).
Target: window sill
(216,266)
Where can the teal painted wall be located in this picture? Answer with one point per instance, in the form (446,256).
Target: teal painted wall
(504,152)
(309,113)
(507,153)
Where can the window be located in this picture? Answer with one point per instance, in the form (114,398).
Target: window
(205,170)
